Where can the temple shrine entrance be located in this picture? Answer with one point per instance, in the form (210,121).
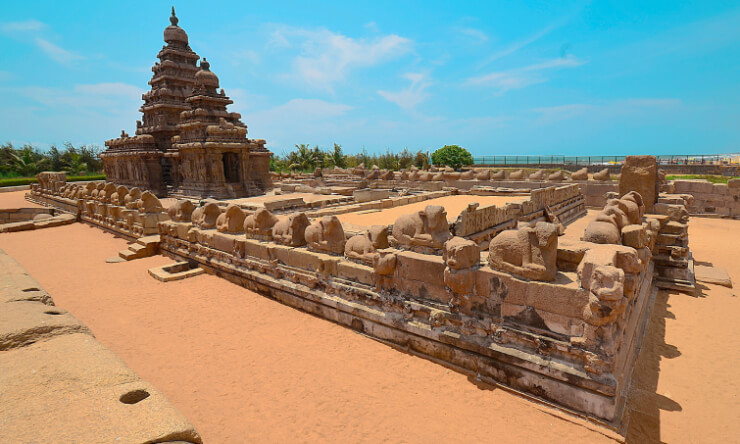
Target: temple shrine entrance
(231,167)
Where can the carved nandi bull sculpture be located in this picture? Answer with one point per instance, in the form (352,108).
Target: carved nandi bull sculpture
(528,252)
(326,235)
(426,228)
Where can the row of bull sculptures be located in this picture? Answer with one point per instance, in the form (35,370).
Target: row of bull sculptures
(447,174)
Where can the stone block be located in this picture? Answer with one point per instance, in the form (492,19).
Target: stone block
(639,173)
(421,267)
(355,272)
(93,395)
(23,323)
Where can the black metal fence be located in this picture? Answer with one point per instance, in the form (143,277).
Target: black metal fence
(684,159)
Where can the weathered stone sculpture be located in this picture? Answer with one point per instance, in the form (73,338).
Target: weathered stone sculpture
(484,174)
(231,220)
(148,203)
(640,173)
(528,252)
(607,226)
(517,175)
(119,197)
(206,216)
(362,247)
(384,267)
(130,200)
(461,256)
(557,176)
(326,235)
(602,175)
(467,175)
(386,175)
(498,175)
(291,230)
(427,228)
(181,211)
(537,175)
(581,174)
(259,224)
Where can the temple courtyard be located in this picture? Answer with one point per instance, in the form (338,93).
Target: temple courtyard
(242,367)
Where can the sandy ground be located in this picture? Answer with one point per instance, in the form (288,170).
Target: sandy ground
(453,204)
(15,199)
(244,368)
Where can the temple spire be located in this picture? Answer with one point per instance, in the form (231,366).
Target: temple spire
(173,17)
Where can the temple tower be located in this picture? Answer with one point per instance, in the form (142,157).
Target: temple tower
(187,142)
(211,156)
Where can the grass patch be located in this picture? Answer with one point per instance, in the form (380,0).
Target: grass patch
(16,181)
(708,177)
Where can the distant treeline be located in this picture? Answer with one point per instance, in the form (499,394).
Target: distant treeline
(27,160)
(305,158)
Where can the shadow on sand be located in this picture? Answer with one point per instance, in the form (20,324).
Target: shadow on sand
(645,404)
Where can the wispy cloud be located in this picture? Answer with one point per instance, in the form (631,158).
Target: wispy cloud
(551,114)
(33,31)
(56,53)
(26,26)
(409,98)
(516,46)
(518,78)
(327,58)
(86,97)
(475,34)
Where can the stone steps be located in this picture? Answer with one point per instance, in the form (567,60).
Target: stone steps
(143,247)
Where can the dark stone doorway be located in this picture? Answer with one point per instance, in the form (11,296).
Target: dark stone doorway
(231,167)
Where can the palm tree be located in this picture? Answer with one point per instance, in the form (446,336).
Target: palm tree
(23,162)
(304,158)
(75,166)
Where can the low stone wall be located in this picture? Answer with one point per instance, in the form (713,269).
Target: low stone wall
(555,340)
(21,219)
(711,199)
(51,362)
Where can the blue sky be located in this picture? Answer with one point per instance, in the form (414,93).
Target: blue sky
(497,77)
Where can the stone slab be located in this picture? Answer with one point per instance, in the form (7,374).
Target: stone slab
(712,275)
(72,389)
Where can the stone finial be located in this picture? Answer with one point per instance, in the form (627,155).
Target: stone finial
(173,18)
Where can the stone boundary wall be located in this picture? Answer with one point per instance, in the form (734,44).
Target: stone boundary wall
(51,362)
(390,202)
(21,219)
(711,199)
(538,337)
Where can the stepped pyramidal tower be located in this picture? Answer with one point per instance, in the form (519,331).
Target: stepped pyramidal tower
(187,143)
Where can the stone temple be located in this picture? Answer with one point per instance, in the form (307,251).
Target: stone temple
(188,144)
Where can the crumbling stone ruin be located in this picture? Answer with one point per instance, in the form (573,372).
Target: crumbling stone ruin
(187,143)
(508,291)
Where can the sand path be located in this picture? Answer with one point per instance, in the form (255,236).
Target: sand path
(244,368)
(454,205)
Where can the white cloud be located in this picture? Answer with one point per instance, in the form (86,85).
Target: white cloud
(522,77)
(371,26)
(327,58)
(32,30)
(26,26)
(409,98)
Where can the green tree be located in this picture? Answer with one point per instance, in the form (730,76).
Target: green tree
(75,165)
(453,156)
(304,158)
(337,157)
(421,160)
